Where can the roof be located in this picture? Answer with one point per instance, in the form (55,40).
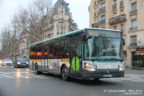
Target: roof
(59,3)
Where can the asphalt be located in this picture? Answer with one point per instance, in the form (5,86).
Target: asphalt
(24,82)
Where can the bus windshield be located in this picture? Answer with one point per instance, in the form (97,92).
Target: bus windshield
(103,48)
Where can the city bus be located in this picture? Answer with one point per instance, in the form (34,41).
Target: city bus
(83,54)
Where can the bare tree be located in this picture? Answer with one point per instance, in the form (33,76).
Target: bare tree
(38,10)
(6,42)
(29,21)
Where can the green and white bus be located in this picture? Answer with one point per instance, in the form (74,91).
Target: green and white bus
(87,53)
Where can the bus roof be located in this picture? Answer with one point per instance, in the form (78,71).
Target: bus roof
(57,37)
(67,34)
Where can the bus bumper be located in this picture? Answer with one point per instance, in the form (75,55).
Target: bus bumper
(102,74)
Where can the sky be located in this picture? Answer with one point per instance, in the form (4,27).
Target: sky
(79,9)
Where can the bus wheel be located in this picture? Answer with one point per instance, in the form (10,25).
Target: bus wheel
(96,79)
(64,74)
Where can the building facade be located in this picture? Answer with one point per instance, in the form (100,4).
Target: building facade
(124,15)
(23,46)
(59,21)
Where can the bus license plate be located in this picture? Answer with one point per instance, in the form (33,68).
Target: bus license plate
(107,75)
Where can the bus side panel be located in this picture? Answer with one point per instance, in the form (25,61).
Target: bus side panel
(53,65)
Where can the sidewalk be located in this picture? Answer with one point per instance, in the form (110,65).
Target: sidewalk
(133,68)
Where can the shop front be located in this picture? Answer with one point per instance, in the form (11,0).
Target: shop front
(138,57)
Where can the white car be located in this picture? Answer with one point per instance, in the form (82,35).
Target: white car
(8,62)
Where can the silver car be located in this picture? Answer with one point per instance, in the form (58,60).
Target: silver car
(21,62)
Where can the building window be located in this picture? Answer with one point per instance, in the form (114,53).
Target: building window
(114,1)
(60,10)
(114,27)
(95,3)
(133,24)
(102,5)
(121,3)
(95,14)
(134,6)
(61,16)
(133,40)
(103,17)
(114,4)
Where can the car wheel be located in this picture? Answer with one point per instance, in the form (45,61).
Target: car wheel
(64,74)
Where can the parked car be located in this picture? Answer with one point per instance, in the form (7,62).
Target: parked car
(21,62)
(8,62)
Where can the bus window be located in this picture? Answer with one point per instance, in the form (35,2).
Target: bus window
(79,49)
(45,55)
(39,55)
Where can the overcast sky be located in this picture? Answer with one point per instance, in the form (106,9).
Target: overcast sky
(79,9)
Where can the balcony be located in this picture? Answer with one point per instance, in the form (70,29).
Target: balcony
(117,19)
(101,10)
(100,0)
(95,25)
(101,22)
(134,44)
(133,12)
(47,28)
(133,28)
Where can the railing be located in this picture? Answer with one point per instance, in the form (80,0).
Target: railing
(101,22)
(133,44)
(117,19)
(101,10)
(95,25)
(100,0)
(133,12)
(133,28)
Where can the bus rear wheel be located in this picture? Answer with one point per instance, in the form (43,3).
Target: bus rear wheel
(64,74)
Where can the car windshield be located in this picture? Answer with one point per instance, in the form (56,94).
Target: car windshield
(7,61)
(21,60)
(103,48)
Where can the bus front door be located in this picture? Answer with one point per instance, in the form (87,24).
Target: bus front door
(75,57)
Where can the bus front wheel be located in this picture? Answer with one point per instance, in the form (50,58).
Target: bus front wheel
(64,74)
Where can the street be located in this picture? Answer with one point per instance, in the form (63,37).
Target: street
(24,82)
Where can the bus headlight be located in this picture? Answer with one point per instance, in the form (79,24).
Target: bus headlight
(122,67)
(88,66)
